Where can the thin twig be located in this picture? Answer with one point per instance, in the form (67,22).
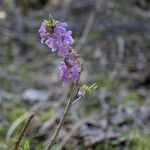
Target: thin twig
(23,131)
(76,100)
(73,93)
(60,124)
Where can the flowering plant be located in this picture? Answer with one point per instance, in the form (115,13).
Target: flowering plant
(56,36)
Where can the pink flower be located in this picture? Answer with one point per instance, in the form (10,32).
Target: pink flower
(57,38)
(70,71)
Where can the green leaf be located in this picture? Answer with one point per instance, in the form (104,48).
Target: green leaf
(89,92)
(94,87)
(26,145)
(51,20)
(89,89)
(50,23)
(84,86)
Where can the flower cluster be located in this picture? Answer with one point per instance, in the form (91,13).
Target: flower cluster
(56,36)
(70,70)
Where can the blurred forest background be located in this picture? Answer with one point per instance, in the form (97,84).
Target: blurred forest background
(113,37)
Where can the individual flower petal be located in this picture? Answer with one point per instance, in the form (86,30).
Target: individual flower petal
(51,43)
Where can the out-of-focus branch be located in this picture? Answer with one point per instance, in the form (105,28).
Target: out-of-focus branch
(21,135)
(98,6)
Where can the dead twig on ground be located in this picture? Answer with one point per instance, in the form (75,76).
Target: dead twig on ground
(21,135)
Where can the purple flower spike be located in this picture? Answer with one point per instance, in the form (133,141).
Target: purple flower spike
(57,38)
(70,71)
(55,35)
